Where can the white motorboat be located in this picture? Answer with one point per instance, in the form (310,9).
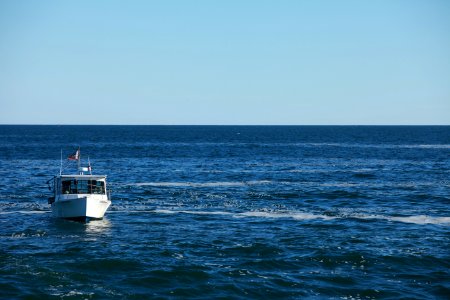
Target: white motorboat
(81,196)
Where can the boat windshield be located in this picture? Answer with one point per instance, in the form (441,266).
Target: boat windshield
(75,186)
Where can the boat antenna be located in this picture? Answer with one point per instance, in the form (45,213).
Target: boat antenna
(60,167)
(89,166)
(79,159)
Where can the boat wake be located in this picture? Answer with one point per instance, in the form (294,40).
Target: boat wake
(304,216)
(301,216)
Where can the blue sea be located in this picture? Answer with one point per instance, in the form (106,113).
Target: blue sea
(231,212)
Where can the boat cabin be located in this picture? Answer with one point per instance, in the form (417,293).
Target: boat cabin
(73,185)
(82,186)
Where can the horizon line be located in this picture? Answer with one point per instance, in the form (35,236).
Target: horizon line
(56,124)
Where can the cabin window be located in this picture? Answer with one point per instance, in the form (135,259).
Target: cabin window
(66,187)
(96,187)
(75,186)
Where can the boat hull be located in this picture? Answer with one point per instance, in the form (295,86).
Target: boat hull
(82,209)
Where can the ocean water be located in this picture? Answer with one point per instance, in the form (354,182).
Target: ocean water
(236,212)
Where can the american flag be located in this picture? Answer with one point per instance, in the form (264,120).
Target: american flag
(75,155)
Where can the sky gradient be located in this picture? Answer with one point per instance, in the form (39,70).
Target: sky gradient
(225,62)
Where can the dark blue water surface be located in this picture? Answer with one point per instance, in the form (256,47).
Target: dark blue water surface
(343,212)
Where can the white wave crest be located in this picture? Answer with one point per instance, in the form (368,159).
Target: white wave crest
(422,220)
(288,215)
(191,212)
(24,212)
(382,146)
(202,184)
(304,216)
(419,219)
(251,214)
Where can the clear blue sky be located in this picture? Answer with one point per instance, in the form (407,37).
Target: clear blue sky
(225,62)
